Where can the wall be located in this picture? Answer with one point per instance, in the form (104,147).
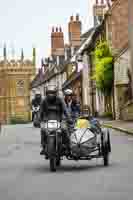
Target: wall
(127,112)
(117,24)
(117,35)
(121,80)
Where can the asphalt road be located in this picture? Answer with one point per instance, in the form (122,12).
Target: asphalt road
(24,174)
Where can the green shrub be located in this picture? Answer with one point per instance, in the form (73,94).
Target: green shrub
(108,115)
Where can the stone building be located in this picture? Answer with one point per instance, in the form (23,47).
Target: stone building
(15,78)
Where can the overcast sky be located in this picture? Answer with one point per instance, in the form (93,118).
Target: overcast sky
(27,23)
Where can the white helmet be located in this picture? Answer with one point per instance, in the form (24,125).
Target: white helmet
(37,92)
(68,92)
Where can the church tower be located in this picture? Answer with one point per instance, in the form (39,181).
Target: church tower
(15,78)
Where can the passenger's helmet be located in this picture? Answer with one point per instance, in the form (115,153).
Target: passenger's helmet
(68,92)
(51,92)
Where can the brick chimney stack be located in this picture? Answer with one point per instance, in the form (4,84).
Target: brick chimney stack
(74,29)
(98,11)
(57,42)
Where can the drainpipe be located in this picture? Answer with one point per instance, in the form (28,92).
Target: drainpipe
(130,29)
(85,80)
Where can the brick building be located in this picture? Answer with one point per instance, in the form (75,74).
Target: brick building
(53,73)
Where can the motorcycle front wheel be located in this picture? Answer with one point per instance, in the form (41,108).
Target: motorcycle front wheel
(51,152)
(53,164)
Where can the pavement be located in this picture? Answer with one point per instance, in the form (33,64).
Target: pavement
(25,175)
(124,126)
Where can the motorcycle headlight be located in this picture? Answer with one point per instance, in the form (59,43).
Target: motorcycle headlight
(52,125)
(43,125)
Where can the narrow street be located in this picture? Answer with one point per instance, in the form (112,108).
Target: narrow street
(24,174)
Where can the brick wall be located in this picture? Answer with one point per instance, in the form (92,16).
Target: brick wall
(117,22)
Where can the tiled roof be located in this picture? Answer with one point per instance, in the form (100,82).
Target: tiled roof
(50,73)
(74,77)
(87,34)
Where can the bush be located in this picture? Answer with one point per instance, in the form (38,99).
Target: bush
(108,115)
(103,74)
(18,120)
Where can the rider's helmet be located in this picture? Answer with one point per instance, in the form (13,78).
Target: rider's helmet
(38,94)
(51,93)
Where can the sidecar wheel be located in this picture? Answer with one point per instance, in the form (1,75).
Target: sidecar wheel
(106,155)
(109,142)
(58,162)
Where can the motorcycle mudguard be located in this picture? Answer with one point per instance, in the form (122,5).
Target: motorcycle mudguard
(51,145)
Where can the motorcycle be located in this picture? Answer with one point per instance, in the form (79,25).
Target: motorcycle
(85,143)
(54,143)
(36,111)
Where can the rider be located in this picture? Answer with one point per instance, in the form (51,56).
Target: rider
(75,107)
(68,99)
(72,105)
(36,101)
(52,108)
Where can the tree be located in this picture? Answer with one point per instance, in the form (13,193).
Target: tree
(103,74)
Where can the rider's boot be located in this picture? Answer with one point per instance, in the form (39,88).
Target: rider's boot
(42,151)
(43,139)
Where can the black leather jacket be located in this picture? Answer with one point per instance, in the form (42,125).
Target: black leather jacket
(53,110)
(36,102)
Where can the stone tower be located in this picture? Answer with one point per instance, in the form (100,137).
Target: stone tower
(15,78)
(98,11)
(57,42)
(74,30)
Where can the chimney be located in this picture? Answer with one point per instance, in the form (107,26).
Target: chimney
(71,18)
(57,42)
(4,52)
(56,29)
(53,29)
(98,11)
(77,17)
(74,28)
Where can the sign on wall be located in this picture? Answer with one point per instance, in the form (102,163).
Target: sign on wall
(20,88)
